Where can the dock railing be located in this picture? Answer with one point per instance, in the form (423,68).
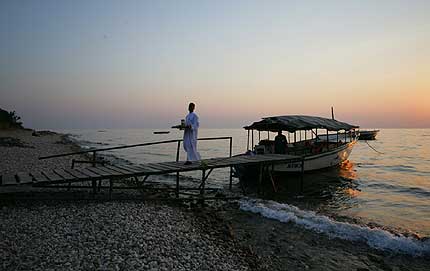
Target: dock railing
(94,162)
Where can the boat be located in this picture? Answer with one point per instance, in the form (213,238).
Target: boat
(368,134)
(161,132)
(322,142)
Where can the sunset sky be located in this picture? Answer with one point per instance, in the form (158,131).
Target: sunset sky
(137,64)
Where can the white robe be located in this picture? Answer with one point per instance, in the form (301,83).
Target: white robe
(190,137)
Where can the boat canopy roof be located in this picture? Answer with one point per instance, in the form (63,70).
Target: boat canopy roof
(292,123)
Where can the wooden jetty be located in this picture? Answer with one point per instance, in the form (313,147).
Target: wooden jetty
(102,172)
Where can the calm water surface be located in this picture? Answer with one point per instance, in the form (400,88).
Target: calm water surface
(391,188)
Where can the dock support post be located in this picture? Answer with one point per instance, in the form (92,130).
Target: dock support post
(99,186)
(177,151)
(141,185)
(202,187)
(260,178)
(94,187)
(110,188)
(94,159)
(231,168)
(231,179)
(177,173)
(72,167)
(271,178)
(95,182)
(177,184)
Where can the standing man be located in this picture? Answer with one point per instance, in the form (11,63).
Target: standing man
(280,143)
(190,135)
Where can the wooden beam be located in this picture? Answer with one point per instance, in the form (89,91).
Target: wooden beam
(109,171)
(52,176)
(9,179)
(24,178)
(89,173)
(39,178)
(127,168)
(98,171)
(120,170)
(147,169)
(64,174)
(78,174)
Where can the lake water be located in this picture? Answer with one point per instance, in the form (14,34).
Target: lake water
(387,191)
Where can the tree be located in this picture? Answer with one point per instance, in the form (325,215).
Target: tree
(9,119)
(15,119)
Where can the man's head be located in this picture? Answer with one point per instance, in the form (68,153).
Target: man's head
(279,132)
(191,107)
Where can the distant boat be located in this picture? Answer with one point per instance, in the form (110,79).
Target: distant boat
(319,150)
(368,134)
(161,132)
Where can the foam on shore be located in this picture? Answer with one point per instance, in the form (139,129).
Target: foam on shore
(374,237)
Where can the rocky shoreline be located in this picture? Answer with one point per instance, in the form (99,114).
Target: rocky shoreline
(59,230)
(22,156)
(115,236)
(54,234)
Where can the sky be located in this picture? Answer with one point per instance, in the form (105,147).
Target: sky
(137,64)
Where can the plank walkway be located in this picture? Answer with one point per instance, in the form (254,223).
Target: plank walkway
(115,172)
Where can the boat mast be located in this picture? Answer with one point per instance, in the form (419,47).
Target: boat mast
(247,142)
(252,136)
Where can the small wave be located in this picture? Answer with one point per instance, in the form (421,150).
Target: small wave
(374,237)
(396,168)
(89,144)
(389,167)
(416,191)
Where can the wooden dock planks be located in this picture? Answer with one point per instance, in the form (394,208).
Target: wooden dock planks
(113,173)
(146,169)
(120,170)
(77,174)
(52,176)
(39,178)
(24,178)
(64,174)
(136,170)
(89,173)
(163,168)
(8,179)
(100,172)
(129,168)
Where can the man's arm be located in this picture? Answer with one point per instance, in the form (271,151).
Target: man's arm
(193,122)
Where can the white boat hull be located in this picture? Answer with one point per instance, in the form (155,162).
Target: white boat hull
(319,161)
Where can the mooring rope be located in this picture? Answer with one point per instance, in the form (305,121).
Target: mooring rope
(373,148)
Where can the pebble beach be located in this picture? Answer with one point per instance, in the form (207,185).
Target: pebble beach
(103,235)
(55,234)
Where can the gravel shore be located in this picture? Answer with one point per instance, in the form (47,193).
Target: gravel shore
(86,234)
(24,156)
(91,235)
(112,236)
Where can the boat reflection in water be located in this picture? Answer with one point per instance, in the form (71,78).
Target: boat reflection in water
(328,190)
